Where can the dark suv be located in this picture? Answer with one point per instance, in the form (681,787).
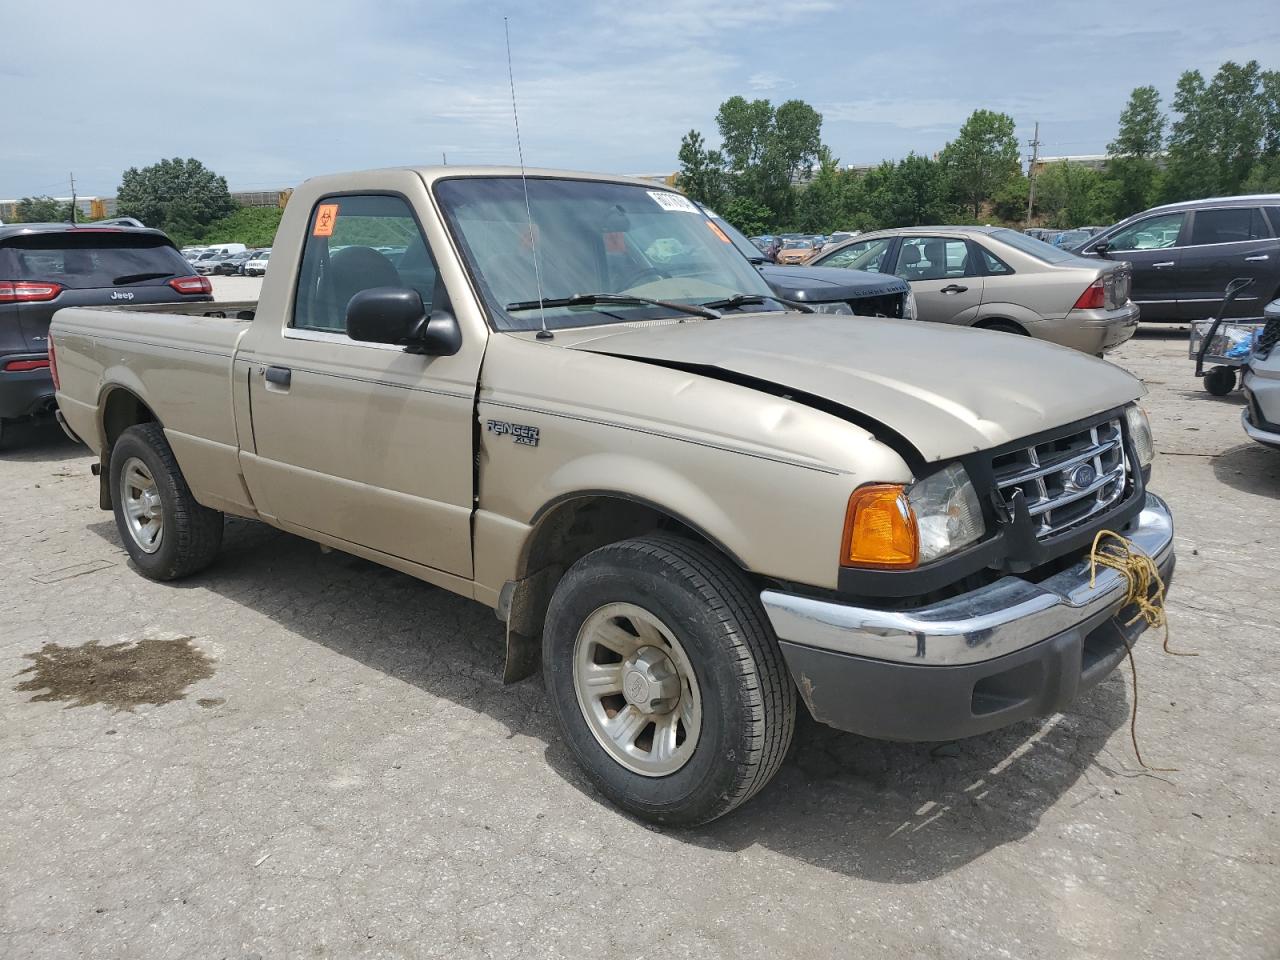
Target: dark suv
(47,266)
(1185,254)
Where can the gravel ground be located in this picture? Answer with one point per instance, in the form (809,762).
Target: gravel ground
(329,766)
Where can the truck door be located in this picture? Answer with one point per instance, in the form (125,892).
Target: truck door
(363,442)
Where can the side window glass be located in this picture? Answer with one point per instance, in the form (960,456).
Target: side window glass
(1153,233)
(933,258)
(994,265)
(355,243)
(866,255)
(1233,225)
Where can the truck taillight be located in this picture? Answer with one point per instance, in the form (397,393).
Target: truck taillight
(53,366)
(1094,297)
(27,291)
(191,284)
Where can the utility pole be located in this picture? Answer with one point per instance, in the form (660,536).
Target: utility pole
(1034,144)
(72,175)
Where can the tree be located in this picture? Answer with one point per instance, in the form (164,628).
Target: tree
(821,205)
(1191,172)
(179,196)
(1065,192)
(1010,201)
(766,150)
(702,175)
(747,215)
(1141,133)
(914,194)
(42,209)
(981,158)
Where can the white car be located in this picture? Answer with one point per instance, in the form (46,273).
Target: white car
(1261,414)
(257,267)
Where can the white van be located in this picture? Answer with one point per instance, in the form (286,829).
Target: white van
(227,247)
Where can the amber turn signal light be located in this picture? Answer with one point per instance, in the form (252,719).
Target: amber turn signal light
(880,529)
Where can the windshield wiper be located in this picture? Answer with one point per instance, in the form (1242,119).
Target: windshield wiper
(746,299)
(138,278)
(587,299)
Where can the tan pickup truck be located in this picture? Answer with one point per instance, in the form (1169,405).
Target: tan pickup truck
(572,399)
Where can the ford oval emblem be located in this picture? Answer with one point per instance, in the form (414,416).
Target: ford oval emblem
(1082,476)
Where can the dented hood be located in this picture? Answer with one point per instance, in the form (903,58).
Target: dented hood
(947,390)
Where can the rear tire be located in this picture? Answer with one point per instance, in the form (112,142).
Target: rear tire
(1220,381)
(166,532)
(711,675)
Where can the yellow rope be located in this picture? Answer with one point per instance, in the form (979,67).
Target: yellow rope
(1145,591)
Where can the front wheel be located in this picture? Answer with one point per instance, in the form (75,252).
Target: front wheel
(167,533)
(667,680)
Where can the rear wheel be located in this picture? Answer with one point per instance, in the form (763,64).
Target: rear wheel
(167,533)
(667,680)
(1220,381)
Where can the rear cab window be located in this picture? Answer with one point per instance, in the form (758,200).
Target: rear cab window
(84,260)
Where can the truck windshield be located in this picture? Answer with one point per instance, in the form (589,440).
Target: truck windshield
(591,238)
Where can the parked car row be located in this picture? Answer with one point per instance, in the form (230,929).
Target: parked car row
(227,260)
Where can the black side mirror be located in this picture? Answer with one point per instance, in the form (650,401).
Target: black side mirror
(1101,248)
(397,315)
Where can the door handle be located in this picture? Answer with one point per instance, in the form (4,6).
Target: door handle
(953,288)
(1163,263)
(280,376)
(1260,257)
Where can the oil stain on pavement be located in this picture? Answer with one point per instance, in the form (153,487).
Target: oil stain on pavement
(123,675)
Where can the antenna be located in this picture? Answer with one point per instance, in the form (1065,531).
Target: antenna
(544,333)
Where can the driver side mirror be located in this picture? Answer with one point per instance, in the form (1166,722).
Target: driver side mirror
(397,315)
(1101,248)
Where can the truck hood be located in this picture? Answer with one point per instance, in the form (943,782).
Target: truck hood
(948,391)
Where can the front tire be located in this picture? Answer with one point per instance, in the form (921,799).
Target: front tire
(667,680)
(166,532)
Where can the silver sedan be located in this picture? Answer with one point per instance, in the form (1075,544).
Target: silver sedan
(999,279)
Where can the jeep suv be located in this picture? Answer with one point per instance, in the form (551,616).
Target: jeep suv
(46,266)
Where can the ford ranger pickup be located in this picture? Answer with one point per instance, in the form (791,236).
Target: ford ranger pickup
(695,507)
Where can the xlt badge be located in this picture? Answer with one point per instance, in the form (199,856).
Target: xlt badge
(521,433)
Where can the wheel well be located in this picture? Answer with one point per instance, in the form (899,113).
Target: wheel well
(1001,323)
(563,535)
(120,411)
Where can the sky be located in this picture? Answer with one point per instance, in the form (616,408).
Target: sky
(270,93)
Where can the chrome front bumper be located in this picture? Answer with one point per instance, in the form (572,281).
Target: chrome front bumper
(1001,618)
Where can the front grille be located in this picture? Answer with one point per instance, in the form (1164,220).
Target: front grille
(1067,480)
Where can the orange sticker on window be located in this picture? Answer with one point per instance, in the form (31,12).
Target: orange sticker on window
(326,216)
(718,232)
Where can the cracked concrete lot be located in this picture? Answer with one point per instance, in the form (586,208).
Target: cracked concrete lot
(323,762)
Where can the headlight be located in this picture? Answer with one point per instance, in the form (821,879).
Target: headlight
(1140,432)
(838,306)
(891,527)
(909,305)
(947,512)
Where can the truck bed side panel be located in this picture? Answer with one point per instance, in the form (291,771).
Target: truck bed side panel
(180,367)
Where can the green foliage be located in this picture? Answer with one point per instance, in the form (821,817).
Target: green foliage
(766,149)
(982,158)
(1010,201)
(913,192)
(181,197)
(1064,193)
(747,215)
(42,209)
(702,174)
(252,226)
(1141,133)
